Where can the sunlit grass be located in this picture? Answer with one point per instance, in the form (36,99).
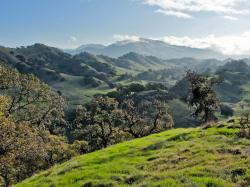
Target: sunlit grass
(180,157)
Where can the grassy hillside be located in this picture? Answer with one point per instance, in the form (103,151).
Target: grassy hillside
(209,157)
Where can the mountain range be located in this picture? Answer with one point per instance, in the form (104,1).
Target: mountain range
(147,47)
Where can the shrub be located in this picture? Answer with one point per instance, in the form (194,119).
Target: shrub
(226,110)
(245,125)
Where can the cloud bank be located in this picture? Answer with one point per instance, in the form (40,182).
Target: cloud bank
(185,8)
(120,37)
(73,39)
(228,44)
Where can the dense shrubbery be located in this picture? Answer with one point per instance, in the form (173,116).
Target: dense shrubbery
(104,121)
(30,113)
(30,100)
(25,149)
(121,115)
(226,110)
(34,130)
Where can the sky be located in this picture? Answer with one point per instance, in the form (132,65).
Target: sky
(220,24)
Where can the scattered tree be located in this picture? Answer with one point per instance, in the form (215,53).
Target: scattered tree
(145,117)
(245,125)
(100,121)
(202,96)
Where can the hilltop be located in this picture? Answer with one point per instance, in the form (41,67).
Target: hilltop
(211,156)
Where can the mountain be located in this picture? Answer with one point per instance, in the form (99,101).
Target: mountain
(150,48)
(85,48)
(178,157)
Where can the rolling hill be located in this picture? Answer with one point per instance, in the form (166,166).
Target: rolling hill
(79,77)
(209,156)
(73,76)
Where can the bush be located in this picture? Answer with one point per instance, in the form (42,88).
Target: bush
(81,147)
(245,125)
(226,110)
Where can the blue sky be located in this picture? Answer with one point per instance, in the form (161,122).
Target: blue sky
(69,23)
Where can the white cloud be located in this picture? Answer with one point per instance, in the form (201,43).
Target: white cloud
(73,39)
(232,18)
(174,13)
(228,44)
(185,8)
(120,37)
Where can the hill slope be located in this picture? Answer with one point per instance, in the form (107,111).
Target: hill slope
(210,157)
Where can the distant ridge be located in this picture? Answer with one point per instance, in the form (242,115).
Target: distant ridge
(147,47)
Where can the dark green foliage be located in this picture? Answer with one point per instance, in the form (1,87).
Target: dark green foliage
(48,63)
(20,57)
(124,92)
(104,121)
(245,125)
(226,110)
(92,81)
(139,92)
(100,121)
(235,74)
(155,86)
(181,89)
(202,96)
(163,75)
(145,117)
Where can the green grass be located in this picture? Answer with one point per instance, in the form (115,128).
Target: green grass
(75,92)
(211,157)
(245,98)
